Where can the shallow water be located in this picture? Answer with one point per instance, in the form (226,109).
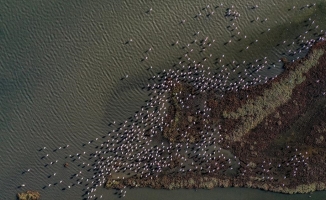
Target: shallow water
(62,64)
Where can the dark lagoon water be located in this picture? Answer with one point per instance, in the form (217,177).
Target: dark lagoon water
(62,64)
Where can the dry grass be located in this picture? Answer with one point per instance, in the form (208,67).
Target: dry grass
(29,195)
(254,111)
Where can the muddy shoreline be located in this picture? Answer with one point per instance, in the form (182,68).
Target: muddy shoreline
(276,129)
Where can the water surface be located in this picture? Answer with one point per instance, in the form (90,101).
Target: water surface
(62,65)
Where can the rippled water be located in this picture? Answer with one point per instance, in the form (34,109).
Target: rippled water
(62,66)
